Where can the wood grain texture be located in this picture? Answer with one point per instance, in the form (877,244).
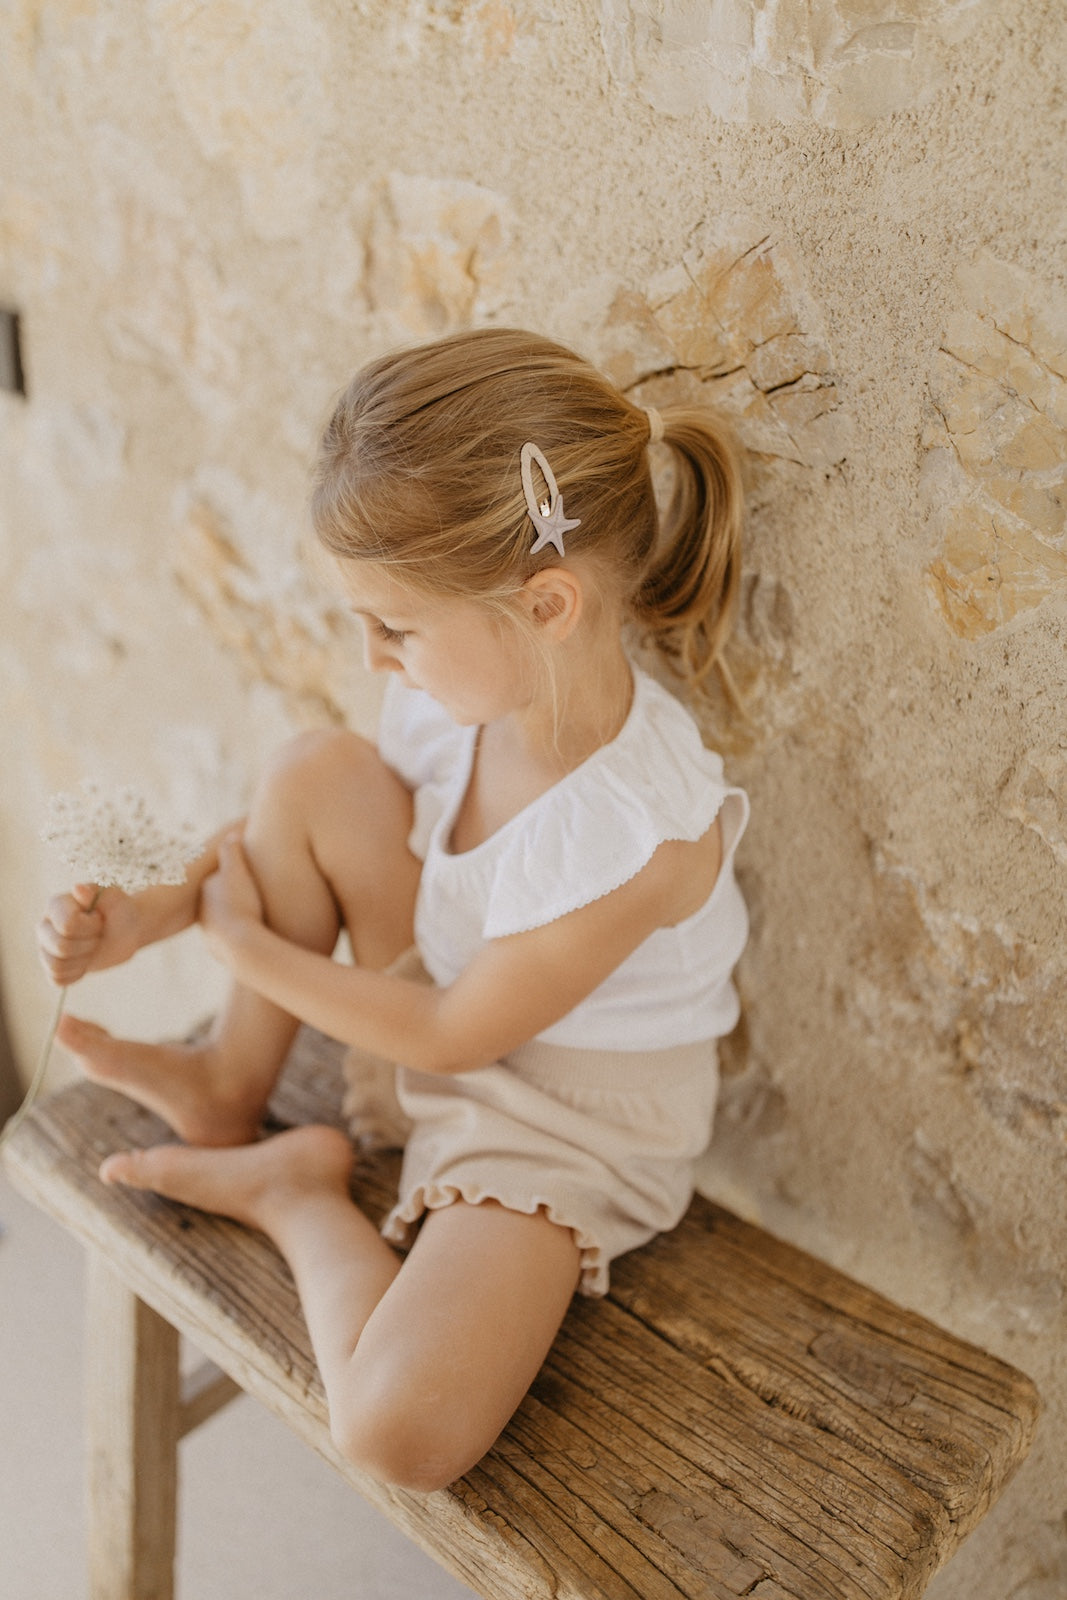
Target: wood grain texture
(735,1419)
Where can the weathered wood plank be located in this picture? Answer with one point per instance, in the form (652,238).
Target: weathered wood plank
(736,1419)
(834,1354)
(714,1455)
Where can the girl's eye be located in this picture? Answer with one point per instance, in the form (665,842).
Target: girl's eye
(389,635)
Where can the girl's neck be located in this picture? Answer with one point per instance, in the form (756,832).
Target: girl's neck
(582,703)
(527,752)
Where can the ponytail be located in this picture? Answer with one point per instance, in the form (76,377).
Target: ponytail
(687,597)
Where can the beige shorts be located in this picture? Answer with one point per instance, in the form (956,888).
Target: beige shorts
(603,1142)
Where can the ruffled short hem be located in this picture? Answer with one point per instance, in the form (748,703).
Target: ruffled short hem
(400,1223)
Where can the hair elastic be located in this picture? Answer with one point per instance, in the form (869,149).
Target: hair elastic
(655,425)
(546,515)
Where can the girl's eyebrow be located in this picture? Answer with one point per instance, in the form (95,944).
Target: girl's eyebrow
(373,616)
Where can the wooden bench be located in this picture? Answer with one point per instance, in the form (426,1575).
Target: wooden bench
(735,1419)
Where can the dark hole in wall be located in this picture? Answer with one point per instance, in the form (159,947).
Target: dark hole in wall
(12,375)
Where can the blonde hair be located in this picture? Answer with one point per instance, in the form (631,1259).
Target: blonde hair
(419,470)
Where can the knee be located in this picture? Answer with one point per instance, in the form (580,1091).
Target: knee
(317,755)
(403,1444)
(312,772)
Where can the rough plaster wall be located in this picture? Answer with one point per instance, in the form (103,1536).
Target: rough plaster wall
(842,220)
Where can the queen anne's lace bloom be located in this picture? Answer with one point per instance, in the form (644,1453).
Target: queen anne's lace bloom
(113,840)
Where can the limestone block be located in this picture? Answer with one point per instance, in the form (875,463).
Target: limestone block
(282,630)
(953,958)
(69,448)
(180,313)
(439,255)
(1036,796)
(32,241)
(733,325)
(166,299)
(961,1216)
(250,81)
(940,1196)
(498,27)
(978,990)
(64,458)
(842,63)
(995,472)
(1041,1554)
(487,31)
(1030,1112)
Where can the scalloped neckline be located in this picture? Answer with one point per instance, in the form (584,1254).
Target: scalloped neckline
(447,824)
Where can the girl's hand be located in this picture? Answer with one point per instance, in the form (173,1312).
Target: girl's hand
(230,898)
(87,930)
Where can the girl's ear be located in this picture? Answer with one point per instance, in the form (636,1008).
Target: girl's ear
(554,600)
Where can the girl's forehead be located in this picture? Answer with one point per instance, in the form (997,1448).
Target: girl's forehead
(371,587)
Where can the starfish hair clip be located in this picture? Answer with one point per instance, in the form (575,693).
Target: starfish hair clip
(546,515)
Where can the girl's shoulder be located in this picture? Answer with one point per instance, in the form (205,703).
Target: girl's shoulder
(596,829)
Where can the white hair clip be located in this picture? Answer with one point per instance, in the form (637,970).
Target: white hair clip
(546,515)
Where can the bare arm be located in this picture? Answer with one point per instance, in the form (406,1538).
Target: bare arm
(513,989)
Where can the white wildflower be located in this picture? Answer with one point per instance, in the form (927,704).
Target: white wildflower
(113,840)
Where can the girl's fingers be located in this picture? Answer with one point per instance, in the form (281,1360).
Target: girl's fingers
(64,969)
(67,939)
(69,934)
(56,948)
(66,973)
(71,920)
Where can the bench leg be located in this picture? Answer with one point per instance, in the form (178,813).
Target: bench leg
(133,1430)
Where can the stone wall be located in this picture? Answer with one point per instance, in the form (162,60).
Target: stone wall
(844,222)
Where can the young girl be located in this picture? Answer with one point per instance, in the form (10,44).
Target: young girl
(540,821)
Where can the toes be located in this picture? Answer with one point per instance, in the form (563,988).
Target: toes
(160,1168)
(116,1169)
(130,1167)
(77,1034)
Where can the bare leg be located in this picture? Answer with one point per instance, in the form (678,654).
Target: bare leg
(450,1351)
(423,1362)
(327,840)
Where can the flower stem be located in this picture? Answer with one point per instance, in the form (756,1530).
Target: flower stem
(30,1097)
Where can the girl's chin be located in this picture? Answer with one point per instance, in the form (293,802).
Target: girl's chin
(463,714)
(462,719)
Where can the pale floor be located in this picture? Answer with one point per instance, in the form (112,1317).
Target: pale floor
(262,1517)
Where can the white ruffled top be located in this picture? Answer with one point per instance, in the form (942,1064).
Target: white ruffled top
(587,835)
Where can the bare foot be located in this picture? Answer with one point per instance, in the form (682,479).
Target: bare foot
(190,1086)
(251,1183)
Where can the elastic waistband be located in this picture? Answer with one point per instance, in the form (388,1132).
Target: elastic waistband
(614,1069)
